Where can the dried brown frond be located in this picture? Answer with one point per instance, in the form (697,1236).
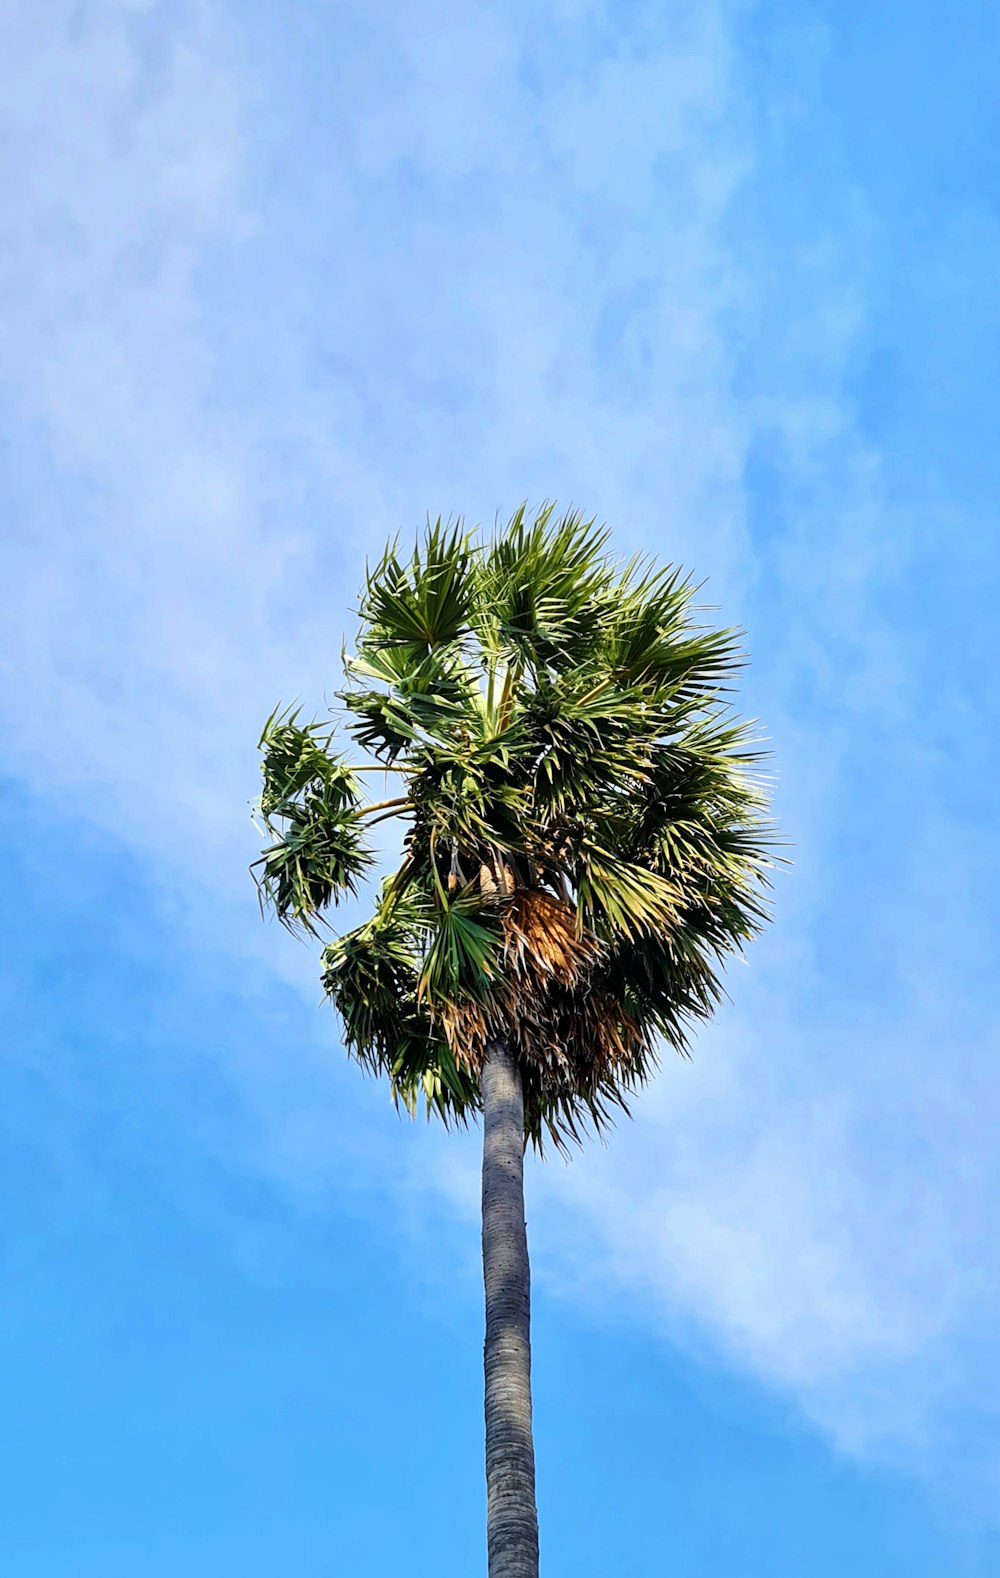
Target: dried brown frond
(540,937)
(575,1044)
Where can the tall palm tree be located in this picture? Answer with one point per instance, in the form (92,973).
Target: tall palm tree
(584,845)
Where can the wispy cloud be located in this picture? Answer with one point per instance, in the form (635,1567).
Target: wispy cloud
(158,600)
(276,285)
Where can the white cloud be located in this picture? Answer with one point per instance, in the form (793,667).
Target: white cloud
(158,609)
(817,1237)
(245,338)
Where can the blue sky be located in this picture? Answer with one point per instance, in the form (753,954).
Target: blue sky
(275,281)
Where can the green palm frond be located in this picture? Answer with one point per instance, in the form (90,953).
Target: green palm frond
(617,897)
(309,804)
(463,953)
(423,698)
(592,736)
(372,977)
(423,605)
(298,758)
(538,589)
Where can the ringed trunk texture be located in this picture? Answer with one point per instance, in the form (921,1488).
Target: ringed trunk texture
(511,1518)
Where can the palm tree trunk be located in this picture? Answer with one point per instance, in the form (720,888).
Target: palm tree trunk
(511,1519)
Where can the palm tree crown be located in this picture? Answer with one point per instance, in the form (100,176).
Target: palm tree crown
(585,838)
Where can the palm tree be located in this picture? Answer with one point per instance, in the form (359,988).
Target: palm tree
(584,845)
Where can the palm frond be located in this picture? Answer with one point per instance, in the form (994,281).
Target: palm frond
(538,586)
(371,976)
(310,806)
(423,605)
(463,947)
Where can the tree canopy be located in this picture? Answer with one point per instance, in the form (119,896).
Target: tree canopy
(586,836)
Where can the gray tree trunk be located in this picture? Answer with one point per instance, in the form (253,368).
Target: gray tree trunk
(511,1519)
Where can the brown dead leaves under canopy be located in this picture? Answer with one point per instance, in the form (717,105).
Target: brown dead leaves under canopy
(570,1034)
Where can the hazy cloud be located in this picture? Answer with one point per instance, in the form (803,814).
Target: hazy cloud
(276,284)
